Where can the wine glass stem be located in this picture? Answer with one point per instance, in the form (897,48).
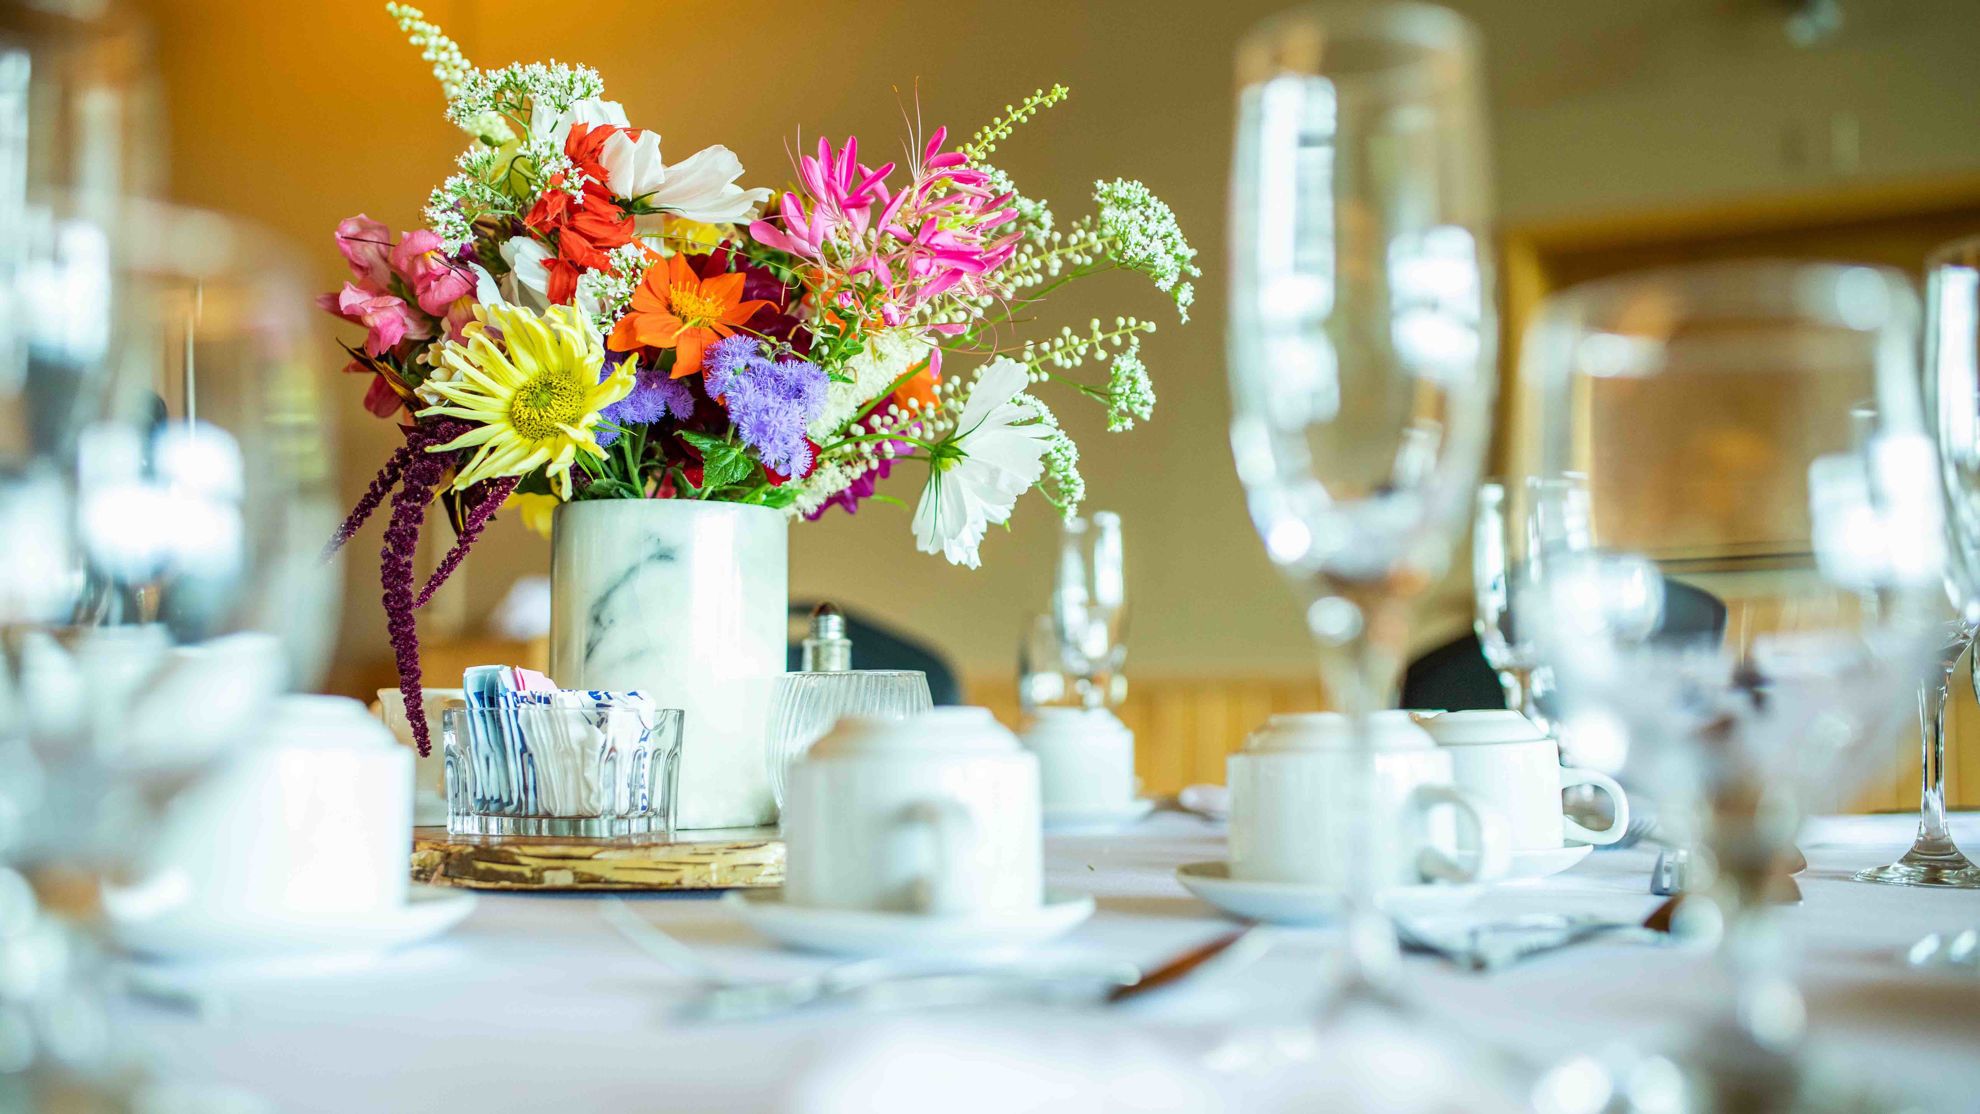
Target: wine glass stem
(1767,1006)
(1932,745)
(1360,673)
(1522,691)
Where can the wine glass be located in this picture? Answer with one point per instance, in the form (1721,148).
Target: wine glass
(1089,607)
(1710,409)
(1506,546)
(1952,394)
(164,468)
(1043,679)
(1360,347)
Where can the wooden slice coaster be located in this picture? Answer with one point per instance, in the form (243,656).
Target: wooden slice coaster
(717,859)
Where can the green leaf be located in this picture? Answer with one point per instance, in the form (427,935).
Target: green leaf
(723,463)
(778,497)
(610,489)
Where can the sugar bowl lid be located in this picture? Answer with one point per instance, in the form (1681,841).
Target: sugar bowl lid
(936,733)
(1307,731)
(1479,726)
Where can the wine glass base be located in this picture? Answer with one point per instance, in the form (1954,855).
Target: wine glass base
(1941,868)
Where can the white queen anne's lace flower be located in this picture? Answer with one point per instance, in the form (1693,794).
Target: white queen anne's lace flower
(888,356)
(996,454)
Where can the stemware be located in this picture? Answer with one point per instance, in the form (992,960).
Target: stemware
(1043,677)
(1952,395)
(1089,607)
(1507,545)
(1360,347)
(164,472)
(1710,410)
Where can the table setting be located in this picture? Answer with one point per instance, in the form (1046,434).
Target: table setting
(706,857)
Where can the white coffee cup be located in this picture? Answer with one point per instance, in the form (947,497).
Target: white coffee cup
(1085,757)
(1291,810)
(1501,758)
(937,813)
(312,822)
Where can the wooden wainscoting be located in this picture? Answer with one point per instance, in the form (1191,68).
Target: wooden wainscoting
(1185,726)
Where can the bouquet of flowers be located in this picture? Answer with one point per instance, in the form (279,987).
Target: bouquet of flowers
(582,319)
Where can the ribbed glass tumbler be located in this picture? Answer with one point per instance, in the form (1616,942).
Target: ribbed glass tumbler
(806,706)
(592,767)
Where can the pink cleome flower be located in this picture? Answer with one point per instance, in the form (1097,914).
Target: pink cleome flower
(935,237)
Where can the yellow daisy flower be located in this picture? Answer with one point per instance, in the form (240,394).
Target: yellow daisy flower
(534,394)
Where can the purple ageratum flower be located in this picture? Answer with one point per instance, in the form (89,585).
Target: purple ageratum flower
(654,396)
(770,401)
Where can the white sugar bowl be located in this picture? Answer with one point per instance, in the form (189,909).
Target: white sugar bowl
(1085,758)
(936,813)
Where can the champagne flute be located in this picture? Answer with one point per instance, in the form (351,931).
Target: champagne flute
(1089,606)
(1718,412)
(1952,391)
(1360,349)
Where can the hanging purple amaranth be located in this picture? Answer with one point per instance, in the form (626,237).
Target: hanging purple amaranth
(395,576)
(381,486)
(416,474)
(477,518)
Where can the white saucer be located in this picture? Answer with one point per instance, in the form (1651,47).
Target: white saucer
(190,934)
(864,932)
(1528,866)
(1301,904)
(1077,819)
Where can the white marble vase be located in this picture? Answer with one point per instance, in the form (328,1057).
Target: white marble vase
(685,601)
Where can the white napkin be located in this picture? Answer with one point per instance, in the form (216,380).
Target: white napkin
(1213,801)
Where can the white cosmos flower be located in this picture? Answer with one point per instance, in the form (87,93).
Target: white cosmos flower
(632,166)
(529,283)
(703,187)
(555,128)
(995,454)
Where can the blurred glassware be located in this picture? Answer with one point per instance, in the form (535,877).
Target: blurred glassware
(79,134)
(1709,408)
(1952,395)
(1089,607)
(178,586)
(575,764)
(1506,544)
(1360,352)
(165,479)
(1043,679)
(807,705)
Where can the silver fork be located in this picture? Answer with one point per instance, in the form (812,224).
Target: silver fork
(892,983)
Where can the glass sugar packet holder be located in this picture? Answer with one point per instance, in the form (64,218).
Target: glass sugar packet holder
(563,763)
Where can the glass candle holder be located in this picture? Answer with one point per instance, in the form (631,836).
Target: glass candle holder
(595,766)
(806,705)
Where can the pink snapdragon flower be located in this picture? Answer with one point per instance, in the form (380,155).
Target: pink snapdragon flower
(437,280)
(387,318)
(367,246)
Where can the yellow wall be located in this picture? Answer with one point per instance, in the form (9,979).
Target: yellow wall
(297,114)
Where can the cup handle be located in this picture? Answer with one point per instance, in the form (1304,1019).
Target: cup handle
(1490,830)
(1571,829)
(947,884)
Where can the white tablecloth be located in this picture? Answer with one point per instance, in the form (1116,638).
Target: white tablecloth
(534,1003)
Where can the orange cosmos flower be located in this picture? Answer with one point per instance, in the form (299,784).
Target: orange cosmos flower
(678,309)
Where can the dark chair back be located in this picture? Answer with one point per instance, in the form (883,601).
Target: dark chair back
(1454,677)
